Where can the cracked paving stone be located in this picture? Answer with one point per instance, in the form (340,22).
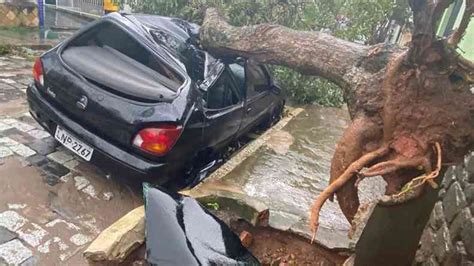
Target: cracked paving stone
(6,235)
(14,252)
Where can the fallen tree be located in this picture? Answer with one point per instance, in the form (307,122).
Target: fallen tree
(412,109)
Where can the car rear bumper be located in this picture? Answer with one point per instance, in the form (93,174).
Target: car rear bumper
(110,158)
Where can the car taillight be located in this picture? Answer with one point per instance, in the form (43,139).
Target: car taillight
(38,72)
(157,140)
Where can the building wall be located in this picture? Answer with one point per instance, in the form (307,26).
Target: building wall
(18,13)
(448,238)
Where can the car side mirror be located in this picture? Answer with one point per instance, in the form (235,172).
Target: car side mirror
(275,89)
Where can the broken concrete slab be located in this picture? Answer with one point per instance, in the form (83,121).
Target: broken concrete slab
(116,242)
(253,211)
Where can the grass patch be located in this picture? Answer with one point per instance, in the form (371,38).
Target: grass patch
(5,49)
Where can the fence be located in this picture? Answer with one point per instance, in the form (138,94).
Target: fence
(95,7)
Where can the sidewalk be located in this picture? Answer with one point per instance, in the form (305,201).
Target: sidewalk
(52,204)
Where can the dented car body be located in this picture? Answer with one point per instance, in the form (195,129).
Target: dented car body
(136,96)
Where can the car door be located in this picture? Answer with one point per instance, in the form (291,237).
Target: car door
(224,111)
(259,100)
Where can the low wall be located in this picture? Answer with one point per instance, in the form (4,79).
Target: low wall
(448,239)
(18,13)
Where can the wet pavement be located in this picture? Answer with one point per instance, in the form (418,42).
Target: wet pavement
(52,203)
(291,169)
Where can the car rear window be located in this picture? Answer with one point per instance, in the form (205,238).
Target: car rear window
(108,52)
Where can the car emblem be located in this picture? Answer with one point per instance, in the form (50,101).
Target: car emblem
(82,103)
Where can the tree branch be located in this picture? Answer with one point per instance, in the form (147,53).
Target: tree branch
(311,53)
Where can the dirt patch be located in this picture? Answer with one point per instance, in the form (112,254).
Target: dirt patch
(274,247)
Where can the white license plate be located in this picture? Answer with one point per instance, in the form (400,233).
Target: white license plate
(73,144)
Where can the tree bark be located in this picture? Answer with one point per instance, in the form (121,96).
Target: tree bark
(409,100)
(331,57)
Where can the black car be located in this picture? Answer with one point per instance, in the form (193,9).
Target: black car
(137,96)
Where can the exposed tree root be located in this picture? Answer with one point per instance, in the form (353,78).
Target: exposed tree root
(394,165)
(414,188)
(339,182)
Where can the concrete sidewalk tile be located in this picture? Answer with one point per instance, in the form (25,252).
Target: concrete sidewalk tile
(23,126)
(33,235)
(60,157)
(44,146)
(22,150)
(5,152)
(17,124)
(4,127)
(71,165)
(37,160)
(16,147)
(38,133)
(14,252)
(11,220)
(7,81)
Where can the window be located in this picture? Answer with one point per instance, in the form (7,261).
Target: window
(222,94)
(257,81)
(238,72)
(107,34)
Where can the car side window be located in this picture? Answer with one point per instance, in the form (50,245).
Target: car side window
(222,94)
(257,80)
(238,72)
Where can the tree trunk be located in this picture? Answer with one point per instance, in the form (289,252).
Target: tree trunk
(412,109)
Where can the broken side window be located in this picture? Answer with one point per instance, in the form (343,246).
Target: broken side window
(222,93)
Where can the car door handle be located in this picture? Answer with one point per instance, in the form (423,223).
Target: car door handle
(249,109)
